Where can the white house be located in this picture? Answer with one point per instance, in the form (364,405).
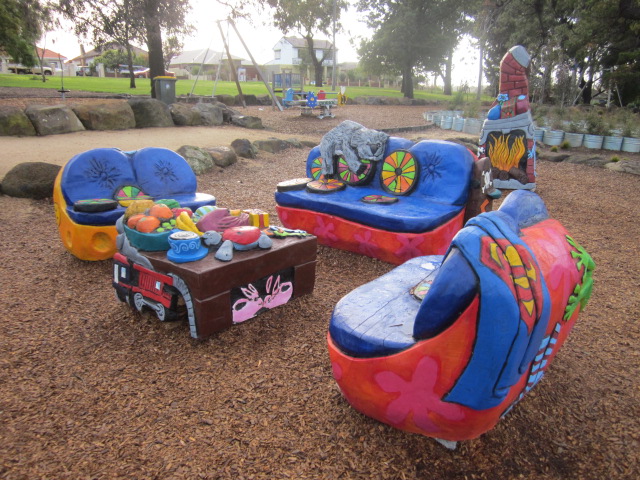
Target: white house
(287,56)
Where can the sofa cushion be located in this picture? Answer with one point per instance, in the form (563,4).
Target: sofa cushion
(410,214)
(377,318)
(439,195)
(97,173)
(162,173)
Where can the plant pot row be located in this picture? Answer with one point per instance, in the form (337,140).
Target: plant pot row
(606,142)
(453,120)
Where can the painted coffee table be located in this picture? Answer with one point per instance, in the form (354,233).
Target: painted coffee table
(219,294)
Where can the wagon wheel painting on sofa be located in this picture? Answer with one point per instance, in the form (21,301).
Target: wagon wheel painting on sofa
(399,174)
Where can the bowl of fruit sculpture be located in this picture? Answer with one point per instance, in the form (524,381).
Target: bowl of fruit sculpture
(149,224)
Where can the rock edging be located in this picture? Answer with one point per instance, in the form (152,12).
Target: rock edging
(134,113)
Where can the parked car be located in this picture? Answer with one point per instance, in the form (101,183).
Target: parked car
(124,69)
(145,73)
(18,68)
(83,72)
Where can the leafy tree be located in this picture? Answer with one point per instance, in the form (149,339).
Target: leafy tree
(409,34)
(171,47)
(113,58)
(106,21)
(597,40)
(308,18)
(168,16)
(21,25)
(131,21)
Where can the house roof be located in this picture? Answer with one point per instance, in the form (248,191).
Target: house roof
(302,43)
(109,46)
(196,57)
(46,53)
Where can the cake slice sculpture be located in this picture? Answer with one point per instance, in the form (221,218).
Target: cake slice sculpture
(507,136)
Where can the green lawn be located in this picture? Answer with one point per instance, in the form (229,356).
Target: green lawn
(184,87)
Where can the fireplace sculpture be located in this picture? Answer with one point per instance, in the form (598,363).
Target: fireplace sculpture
(507,137)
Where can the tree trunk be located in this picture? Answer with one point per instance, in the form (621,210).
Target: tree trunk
(40,61)
(587,88)
(317,64)
(132,77)
(448,69)
(154,42)
(407,81)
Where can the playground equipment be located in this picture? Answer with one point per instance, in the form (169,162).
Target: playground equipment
(446,346)
(203,278)
(307,101)
(231,23)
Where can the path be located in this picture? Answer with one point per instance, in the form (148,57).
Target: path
(58,149)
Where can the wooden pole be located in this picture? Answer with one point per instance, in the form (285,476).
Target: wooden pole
(231,65)
(264,80)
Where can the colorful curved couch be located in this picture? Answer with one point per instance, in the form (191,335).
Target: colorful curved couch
(105,174)
(445,346)
(429,182)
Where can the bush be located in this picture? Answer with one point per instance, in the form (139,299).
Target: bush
(457,100)
(565,145)
(596,124)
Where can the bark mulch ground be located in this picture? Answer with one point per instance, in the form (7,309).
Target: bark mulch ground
(90,389)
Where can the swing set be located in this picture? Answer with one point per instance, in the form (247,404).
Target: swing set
(232,68)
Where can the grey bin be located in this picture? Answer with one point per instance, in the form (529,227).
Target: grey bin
(165,89)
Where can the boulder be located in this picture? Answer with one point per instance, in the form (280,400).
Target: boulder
(265,100)
(13,121)
(226,99)
(244,148)
(248,100)
(247,121)
(393,101)
(210,114)
(150,112)
(368,101)
(271,145)
(554,157)
(184,114)
(595,161)
(625,166)
(228,113)
(198,159)
(53,119)
(105,116)
(30,180)
(294,142)
(223,156)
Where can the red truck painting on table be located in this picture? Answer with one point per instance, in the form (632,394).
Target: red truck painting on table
(143,288)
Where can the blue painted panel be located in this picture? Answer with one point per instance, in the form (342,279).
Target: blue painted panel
(162,173)
(377,318)
(525,207)
(96,173)
(448,297)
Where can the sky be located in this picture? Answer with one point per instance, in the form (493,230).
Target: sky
(261,38)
